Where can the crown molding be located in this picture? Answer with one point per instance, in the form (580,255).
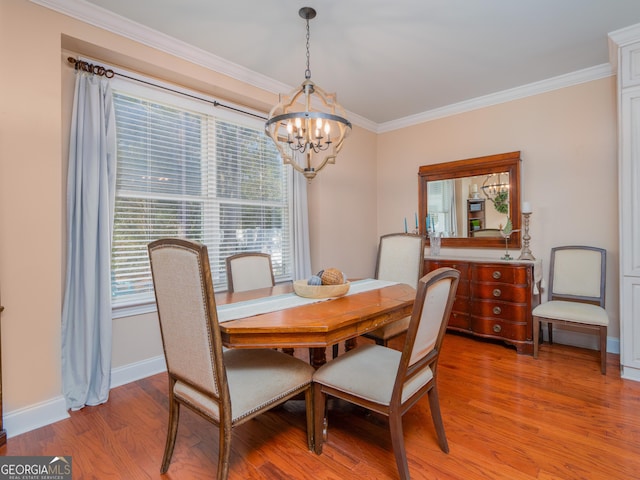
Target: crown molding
(536,88)
(106,20)
(99,17)
(625,35)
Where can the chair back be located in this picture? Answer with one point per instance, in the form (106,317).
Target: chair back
(248,271)
(578,273)
(431,311)
(187,312)
(400,258)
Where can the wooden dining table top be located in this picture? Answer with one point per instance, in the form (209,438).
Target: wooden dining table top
(320,324)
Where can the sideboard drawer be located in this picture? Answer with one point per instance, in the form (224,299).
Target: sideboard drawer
(500,329)
(506,311)
(500,273)
(499,291)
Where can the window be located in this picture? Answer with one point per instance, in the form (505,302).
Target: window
(441,202)
(188,169)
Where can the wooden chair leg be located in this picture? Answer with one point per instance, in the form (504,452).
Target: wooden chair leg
(397,442)
(434,405)
(319,417)
(550,329)
(224,455)
(308,399)
(603,350)
(172,430)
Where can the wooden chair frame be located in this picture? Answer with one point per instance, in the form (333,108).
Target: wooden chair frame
(397,407)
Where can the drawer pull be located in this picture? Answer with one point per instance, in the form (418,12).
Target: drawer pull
(497,292)
(497,328)
(497,310)
(496,274)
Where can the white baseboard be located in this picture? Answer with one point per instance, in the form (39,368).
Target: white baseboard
(50,411)
(630,373)
(136,371)
(35,416)
(583,340)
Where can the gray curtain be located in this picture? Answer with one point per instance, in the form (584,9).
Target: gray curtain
(301,248)
(86,312)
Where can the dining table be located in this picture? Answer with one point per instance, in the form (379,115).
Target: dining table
(276,317)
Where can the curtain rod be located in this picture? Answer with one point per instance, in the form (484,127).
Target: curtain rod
(101,71)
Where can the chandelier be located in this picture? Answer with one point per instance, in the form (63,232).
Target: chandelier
(314,120)
(497,190)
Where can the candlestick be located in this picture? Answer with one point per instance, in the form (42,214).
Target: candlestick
(405,225)
(526,253)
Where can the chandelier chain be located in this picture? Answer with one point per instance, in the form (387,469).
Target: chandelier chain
(307,72)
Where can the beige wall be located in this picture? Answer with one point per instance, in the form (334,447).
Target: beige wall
(567,140)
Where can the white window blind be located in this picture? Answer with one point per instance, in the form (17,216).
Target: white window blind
(185,169)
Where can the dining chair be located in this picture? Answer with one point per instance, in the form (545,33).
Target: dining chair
(400,259)
(577,278)
(388,381)
(248,271)
(228,387)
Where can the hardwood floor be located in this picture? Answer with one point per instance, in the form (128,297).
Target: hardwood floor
(507,416)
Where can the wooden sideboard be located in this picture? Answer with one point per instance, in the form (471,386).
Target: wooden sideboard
(494,298)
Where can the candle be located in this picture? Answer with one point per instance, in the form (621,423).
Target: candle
(526,207)
(405,225)
(474,188)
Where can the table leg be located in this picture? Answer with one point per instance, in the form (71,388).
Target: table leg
(349,344)
(318,357)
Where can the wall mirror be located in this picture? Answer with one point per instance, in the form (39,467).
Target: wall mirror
(469,201)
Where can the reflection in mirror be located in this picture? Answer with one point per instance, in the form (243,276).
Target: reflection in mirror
(467,202)
(469,206)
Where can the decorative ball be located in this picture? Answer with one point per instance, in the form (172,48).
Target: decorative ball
(314,280)
(332,276)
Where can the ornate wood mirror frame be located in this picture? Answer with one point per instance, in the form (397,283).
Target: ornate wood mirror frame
(474,167)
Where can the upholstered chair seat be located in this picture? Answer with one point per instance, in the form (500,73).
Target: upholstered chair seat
(247,371)
(573,312)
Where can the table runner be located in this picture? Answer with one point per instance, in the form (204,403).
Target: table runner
(249,308)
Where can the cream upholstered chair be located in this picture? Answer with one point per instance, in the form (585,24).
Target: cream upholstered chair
(248,271)
(227,388)
(576,295)
(390,382)
(400,259)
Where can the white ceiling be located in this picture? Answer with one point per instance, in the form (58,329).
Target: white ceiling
(391,59)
